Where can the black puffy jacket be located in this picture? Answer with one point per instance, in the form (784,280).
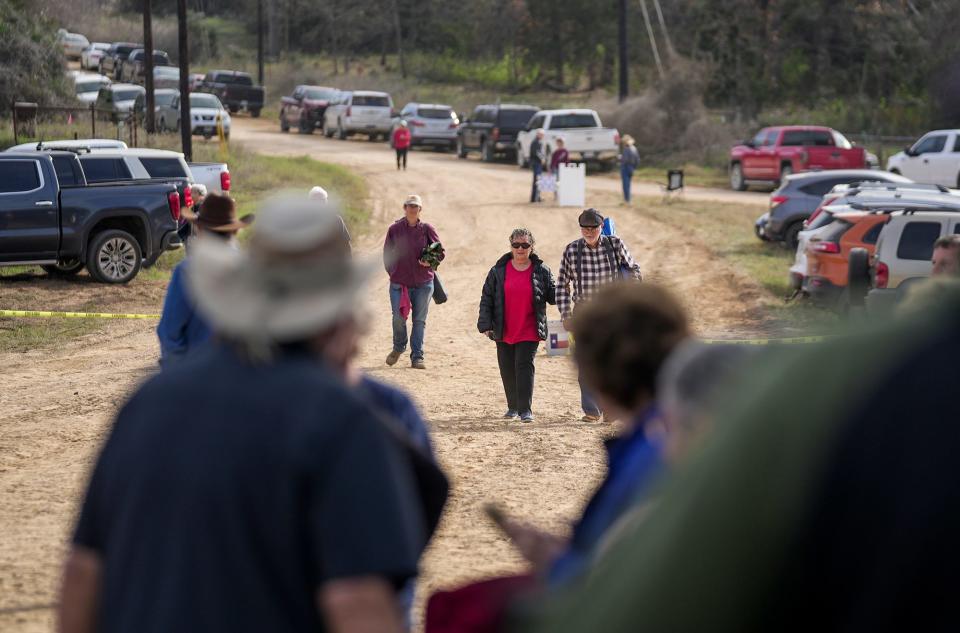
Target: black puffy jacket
(491,301)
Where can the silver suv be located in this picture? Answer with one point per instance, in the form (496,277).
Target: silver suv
(430,124)
(904,251)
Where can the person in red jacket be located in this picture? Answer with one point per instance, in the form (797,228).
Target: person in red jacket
(401,143)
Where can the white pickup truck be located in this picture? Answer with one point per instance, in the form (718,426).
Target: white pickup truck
(583,135)
(214,176)
(934,159)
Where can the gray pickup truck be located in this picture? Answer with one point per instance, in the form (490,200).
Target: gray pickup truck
(235,89)
(50,216)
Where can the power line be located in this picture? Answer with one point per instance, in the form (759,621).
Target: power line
(653,41)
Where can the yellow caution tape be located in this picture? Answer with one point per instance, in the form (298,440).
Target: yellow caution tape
(765,341)
(74,315)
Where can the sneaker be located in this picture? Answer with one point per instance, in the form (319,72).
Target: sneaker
(418,363)
(526,416)
(589,417)
(511,415)
(393,357)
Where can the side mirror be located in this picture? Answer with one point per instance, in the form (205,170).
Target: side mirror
(909,151)
(750,143)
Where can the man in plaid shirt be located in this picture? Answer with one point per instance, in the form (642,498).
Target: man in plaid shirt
(587,264)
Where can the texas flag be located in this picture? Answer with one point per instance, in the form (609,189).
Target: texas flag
(557,343)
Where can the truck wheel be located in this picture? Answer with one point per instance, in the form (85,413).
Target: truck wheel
(284,126)
(327,132)
(785,170)
(737,182)
(114,257)
(233,109)
(858,276)
(521,159)
(305,127)
(66,268)
(486,152)
(791,235)
(461,150)
(255,113)
(341,133)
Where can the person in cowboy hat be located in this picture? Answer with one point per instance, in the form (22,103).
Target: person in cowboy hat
(629,161)
(267,485)
(181,330)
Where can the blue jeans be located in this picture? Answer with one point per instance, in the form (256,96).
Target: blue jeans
(420,297)
(586,402)
(537,169)
(626,173)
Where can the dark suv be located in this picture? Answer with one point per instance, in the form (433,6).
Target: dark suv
(492,129)
(111,61)
(800,196)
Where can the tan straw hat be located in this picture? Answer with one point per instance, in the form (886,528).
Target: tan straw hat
(628,140)
(413,199)
(218,213)
(293,281)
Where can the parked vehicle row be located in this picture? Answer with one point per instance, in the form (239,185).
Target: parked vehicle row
(205,111)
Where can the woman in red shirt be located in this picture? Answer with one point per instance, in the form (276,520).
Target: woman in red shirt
(401,143)
(513,312)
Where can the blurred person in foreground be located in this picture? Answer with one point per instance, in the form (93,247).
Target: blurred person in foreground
(266,496)
(181,331)
(622,339)
(834,510)
(946,256)
(513,312)
(589,264)
(411,279)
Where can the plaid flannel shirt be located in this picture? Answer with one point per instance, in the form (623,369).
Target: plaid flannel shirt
(598,266)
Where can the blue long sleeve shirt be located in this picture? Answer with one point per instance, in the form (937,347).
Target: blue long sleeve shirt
(181,330)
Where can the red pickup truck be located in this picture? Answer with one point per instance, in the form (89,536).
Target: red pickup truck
(776,152)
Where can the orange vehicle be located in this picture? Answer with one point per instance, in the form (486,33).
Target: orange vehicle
(827,255)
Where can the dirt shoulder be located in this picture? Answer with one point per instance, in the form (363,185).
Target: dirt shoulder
(56,404)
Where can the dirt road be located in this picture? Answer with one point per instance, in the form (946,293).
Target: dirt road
(55,406)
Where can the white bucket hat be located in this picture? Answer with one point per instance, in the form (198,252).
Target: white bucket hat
(291,283)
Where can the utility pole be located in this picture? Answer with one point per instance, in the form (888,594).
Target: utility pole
(622,43)
(148,66)
(653,41)
(186,141)
(260,42)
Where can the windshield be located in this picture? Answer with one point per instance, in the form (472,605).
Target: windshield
(126,95)
(565,121)
(319,94)
(200,100)
(88,86)
(369,100)
(516,118)
(435,113)
(237,80)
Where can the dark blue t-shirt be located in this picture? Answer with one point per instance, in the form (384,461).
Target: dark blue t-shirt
(227,493)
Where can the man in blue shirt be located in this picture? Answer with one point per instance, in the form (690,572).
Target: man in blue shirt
(266,496)
(181,330)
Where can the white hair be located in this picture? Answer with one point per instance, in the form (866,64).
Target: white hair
(318,193)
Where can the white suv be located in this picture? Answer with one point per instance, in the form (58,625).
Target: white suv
(359,112)
(905,249)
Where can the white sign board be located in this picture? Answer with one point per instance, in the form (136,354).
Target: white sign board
(571,185)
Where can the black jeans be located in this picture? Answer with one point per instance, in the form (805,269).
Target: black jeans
(516,371)
(537,169)
(402,153)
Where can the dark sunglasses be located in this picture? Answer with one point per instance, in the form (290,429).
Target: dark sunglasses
(522,245)
(590,226)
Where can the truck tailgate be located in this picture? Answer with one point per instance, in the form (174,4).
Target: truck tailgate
(209,175)
(823,157)
(590,140)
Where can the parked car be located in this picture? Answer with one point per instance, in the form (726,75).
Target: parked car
(87,86)
(166,77)
(934,158)
(583,135)
(429,124)
(73,45)
(799,196)
(111,60)
(493,129)
(70,144)
(903,253)
(90,56)
(55,219)
(235,90)
(108,165)
(115,101)
(162,108)
(133,69)
(205,108)
(777,152)
(359,112)
(305,107)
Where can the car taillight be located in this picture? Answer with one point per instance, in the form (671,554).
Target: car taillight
(495,133)
(882,275)
(187,197)
(173,201)
(453,126)
(225,180)
(417,123)
(776,201)
(826,247)
(349,109)
(616,138)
